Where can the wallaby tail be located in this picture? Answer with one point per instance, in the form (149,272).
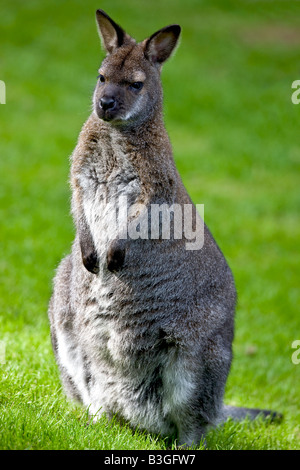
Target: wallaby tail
(238,413)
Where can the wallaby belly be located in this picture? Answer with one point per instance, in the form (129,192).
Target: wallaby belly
(133,339)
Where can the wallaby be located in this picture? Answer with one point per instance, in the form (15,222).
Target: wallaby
(142,327)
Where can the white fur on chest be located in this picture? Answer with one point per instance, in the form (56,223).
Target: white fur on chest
(105,201)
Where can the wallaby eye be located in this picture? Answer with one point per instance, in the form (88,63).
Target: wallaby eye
(137,85)
(101,78)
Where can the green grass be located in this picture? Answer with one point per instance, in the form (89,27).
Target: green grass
(235,134)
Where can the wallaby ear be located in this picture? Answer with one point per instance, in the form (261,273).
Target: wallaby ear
(111,34)
(161,44)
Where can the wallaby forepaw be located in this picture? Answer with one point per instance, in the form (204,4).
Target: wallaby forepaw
(115,256)
(90,262)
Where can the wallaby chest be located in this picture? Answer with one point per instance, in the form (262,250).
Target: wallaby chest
(107,172)
(108,182)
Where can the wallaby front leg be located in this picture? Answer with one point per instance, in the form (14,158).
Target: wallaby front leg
(88,250)
(116,252)
(116,255)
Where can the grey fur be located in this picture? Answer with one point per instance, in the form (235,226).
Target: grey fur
(140,328)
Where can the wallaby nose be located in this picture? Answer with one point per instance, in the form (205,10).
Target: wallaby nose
(107,102)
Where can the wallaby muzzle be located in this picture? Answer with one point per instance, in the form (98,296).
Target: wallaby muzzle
(109,103)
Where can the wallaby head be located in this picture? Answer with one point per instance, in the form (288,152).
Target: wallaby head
(128,90)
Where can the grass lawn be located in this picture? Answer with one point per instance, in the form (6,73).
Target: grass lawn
(236,140)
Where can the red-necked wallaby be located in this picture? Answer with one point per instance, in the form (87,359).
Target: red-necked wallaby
(142,325)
